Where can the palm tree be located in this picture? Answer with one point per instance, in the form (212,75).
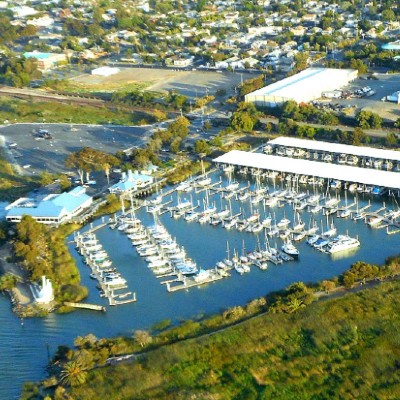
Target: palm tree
(74,373)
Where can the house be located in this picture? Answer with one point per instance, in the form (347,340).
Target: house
(53,209)
(130,182)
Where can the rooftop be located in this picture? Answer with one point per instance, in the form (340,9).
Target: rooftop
(316,145)
(313,77)
(312,168)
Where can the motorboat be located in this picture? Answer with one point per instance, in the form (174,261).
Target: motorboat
(342,243)
(290,249)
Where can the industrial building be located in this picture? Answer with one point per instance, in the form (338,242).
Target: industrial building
(54,209)
(303,87)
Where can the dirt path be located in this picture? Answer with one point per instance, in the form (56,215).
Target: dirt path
(21,293)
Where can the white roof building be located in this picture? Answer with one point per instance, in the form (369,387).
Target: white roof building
(336,148)
(312,168)
(303,87)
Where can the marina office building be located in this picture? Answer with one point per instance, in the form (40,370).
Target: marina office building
(54,209)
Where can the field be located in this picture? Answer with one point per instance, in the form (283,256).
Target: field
(189,83)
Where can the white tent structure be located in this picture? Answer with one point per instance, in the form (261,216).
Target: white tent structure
(311,168)
(303,87)
(336,148)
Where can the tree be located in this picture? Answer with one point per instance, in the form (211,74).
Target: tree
(202,147)
(74,373)
(391,139)
(328,286)
(300,61)
(142,337)
(179,127)
(176,145)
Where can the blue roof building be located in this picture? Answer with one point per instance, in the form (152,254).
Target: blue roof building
(53,209)
(130,182)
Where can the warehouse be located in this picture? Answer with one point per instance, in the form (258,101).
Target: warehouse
(318,169)
(303,87)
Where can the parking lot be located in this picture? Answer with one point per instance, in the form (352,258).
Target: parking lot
(383,85)
(36,154)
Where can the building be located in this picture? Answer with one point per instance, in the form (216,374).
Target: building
(53,209)
(310,168)
(46,61)
(130,182)
(303,87)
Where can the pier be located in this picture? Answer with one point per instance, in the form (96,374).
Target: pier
(86,306)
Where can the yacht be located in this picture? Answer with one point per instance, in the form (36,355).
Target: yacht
(342,243)
(114,281)
(290,249)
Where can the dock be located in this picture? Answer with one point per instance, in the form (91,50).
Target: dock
(189,282)
(86,306)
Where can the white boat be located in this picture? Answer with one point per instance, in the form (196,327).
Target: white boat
(342,243)
(158,263)
(191,216)
(230,223)
(183,186)
(271,201)
(116,281)
(283,223)
(374,221)
(290,249)
(344,214)
(203,275)
(243,196)
(239,269)
(186,203)
(232,186)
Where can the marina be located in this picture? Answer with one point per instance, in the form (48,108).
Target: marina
(255,261)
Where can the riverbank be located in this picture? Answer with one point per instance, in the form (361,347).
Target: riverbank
(283,341)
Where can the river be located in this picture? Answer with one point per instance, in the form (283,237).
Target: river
(25,348)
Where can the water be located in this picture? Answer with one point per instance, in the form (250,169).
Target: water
(24,349)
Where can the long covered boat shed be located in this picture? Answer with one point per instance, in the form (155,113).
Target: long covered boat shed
(343,173)
(336,148)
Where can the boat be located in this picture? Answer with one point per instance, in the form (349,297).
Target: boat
(191,216)
(290,249)
(342,243)
(283,223)
(374,221)
(202,275)
(114,281)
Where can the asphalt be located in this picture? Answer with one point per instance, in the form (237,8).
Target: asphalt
(36,155)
